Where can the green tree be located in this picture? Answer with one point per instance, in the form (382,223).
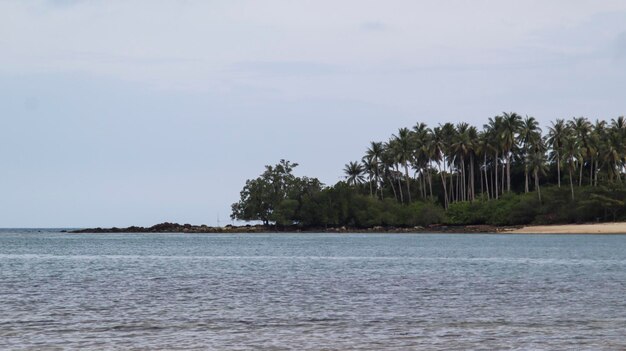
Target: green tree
(511,123)
(403,150)
(529,134)
(557,133)
(354,173)
(260,198)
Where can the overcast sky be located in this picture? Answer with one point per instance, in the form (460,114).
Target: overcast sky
(114,113)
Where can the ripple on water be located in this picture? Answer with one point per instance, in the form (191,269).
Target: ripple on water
(310,292)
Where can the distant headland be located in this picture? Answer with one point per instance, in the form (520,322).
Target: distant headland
(451,179)
(167,227)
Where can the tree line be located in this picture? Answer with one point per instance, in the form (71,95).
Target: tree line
(507,172)
(475,163)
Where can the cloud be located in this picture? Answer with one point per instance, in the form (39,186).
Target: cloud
(373,26)
(620,47)
(284,68)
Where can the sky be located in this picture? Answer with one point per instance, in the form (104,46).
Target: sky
(118,113)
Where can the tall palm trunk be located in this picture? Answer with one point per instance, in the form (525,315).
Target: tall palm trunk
(526,179)
(496,180)
(393,188)
(537,185)
(492,185)
(591,172)
(482,189)
(472,187)
(486,176)
(430,181)
(580,176)
(463,181)
(408,181)
(503,173)
(558,168)
(424,185)
(508,171)
(452,194)
(571,181)
(399,185)
(445,192)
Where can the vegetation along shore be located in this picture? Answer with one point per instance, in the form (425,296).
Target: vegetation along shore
(188,228)
(508,173)
(450,178)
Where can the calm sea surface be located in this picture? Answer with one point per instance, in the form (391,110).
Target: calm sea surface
(311,291)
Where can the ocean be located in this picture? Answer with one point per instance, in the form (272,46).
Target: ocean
(311,291)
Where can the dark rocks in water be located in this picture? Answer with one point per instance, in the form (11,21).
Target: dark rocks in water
(167,227)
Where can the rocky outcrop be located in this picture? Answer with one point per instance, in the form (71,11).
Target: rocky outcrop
(167,227)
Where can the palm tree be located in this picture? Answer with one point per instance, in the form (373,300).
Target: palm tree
(571,154)
(614,154)
(404,152)
(370,169)
(420,158)
(511,123)
(354,173)
(492,133)
(598,139)
(482,149)
(437,150)
(473,137)
(390,166)
(448,132)
(556,135)
(582,128)
(618,127)
(529,133)
(536,161)
(461,147)
(374,154)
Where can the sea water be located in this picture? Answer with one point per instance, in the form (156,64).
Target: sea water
(311,291)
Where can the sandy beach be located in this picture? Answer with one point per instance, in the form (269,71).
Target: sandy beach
(597,228)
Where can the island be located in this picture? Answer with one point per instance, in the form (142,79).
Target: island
(506,177)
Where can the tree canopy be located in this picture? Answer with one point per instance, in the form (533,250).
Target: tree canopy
(507,172)
(270,196)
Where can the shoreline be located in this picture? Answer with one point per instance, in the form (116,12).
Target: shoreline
(229,229)
(589,228)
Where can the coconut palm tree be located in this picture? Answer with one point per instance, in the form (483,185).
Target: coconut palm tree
(557,132)
(613,154)
(481,149)
(420,159)
(461,147)
(404,152)
(369,168)
(492,134)
(529,133)
(374,155)
(582,128)
(598,137)
(618,127)
(511,123)
(448,132)
(437,149)
(354,173)
(536,161)
(473,137)
(390,165)
(571,155)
